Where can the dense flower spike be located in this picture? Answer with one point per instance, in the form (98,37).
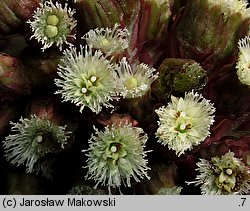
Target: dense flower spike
(229,7)
(185,122)
(116,155)
(243,64)
(52,24)
(33,139)
(223,176)
(109,41)
(135,80)
(87,78)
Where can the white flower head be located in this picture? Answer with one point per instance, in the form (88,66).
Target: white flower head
(134,81)
(33,139)
(87,79)
(116,155)
(243,64)
(109,41)
(225,175)
(52,24)
(229,7)
(185,122)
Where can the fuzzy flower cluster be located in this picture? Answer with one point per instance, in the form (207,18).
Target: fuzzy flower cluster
(53,24)
(135,80)
(230,7)
(243,64)
(225,175)
(184,122)
(109,41)
(33,139)
(116,155)
(89,78)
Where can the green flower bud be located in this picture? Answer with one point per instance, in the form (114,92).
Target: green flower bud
(177,76)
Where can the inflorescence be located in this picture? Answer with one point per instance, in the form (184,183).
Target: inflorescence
(225,175)
(53,24)
(33,139)
(87,78)
(116,155)
(109,41)
(135,80)
(185,122)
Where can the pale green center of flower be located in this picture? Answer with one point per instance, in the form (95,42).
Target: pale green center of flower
(52,20)
(84,90)
(51,31)
(113,149)
(131,83)
(182,128)
(93,79)
(104,42)
(229,171)
(51,27)
(226,180)
(39,139)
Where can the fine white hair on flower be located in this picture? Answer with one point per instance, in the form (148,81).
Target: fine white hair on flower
(53,24)
(243,64)
(33,139)
(87,78)
(225,175)
(116,155)
(110,41)
(135,80)
(229,7)
(184,122)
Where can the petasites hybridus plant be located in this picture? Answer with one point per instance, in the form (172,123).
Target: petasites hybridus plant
(243,64)
(33,139)
(116,155)
(184,122)
(225,175)
(87,79)
(53,24)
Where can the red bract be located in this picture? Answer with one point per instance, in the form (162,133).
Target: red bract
(14,82)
